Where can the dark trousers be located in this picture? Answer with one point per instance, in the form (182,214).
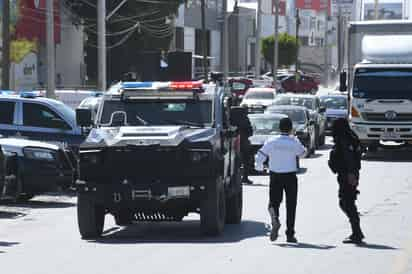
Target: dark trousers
(347,198)
(287,182)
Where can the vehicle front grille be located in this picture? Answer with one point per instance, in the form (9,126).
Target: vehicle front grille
(400,117)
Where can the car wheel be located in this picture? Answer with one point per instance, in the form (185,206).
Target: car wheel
(213,208)
(234,204)
(317,138)
(90,216)
(322,139)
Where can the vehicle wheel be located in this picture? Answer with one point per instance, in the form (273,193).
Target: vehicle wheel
(213,209)
(317,138)
(234,204)
(123,218)
(90,217)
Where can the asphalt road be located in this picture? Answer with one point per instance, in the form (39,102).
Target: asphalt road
(41,236)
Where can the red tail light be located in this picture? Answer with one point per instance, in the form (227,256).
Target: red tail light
(188,85)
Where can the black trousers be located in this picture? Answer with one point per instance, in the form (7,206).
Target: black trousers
(347,202)
(287,182)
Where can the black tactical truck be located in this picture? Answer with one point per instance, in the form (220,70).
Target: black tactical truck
(158,151)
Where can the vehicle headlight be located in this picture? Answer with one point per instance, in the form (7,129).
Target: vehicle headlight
(39,154)
(199,155)
(91,157)
(359,129)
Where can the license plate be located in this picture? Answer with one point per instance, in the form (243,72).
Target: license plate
(178,192)
(390,135)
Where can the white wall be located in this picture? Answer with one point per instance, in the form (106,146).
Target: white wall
(69,53)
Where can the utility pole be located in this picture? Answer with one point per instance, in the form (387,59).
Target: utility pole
(339,40)
(51,62)
(276,44)
(326,49)
(297,44)
(225,43)
(204,41)
(5,77)
(101,44)
(258,38)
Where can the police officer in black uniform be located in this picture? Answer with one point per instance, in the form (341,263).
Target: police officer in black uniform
(245,131)
(345,160)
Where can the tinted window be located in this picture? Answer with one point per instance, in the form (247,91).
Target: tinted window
(296,115)
(265,125)
(6,113)
(295,101)
(334,102)
(165,112)
(35,115)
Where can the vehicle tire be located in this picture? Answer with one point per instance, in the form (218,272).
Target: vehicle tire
(90,217)
(234,204)
(123,218)
(317,138)
(213,208)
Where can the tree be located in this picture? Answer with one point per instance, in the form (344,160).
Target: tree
(137,26)
(288,47)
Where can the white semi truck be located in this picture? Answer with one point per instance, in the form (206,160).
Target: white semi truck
(379,81)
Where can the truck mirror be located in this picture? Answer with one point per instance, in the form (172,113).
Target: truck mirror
(238,115)
(342,82)
(84,117)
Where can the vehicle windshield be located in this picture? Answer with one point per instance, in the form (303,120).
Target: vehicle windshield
(165,112)
(67,111)
(265,125)
(294,101)
(296,115)
(260,95)
(383,83)
(334,102)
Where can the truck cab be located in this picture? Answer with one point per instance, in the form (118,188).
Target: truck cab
(158,151)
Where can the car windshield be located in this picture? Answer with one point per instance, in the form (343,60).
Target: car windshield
(294,101)
(296,115)
(265,125)
(260,95)
(165,112)
(67,111)
(334,102)
(383,83)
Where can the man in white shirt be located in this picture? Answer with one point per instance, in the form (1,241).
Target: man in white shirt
(281,151)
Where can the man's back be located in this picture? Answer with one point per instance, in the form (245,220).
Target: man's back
(282,151)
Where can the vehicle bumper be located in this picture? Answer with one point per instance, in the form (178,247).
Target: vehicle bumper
(368,132)
(38,177)
(146,195)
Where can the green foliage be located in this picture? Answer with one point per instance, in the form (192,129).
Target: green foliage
(288,47)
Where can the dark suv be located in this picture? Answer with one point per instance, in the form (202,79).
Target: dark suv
(158,152)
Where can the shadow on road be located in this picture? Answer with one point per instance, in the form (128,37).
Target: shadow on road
(183,232)
(306,246)
(11,214)
(314,156)
(325,147)
(42,204)
(377,246)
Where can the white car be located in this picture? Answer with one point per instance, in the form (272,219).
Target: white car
(258,98)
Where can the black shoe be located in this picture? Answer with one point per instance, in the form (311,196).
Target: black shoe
(353,239)
(247,181)
(291,239)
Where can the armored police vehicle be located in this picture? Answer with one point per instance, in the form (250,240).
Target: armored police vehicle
(158,151)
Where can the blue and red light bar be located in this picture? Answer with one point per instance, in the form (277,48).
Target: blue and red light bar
(164,86)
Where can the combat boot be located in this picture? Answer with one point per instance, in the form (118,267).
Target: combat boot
(275,224)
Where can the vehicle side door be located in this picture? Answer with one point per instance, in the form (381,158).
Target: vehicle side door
(8,118)
(321,116)
(41,122)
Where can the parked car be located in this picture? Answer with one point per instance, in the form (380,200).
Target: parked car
(306,84)
(257,99)
(316,111)
(31,168)
(38,118)
(265,126)
(303,125)
(336,107)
